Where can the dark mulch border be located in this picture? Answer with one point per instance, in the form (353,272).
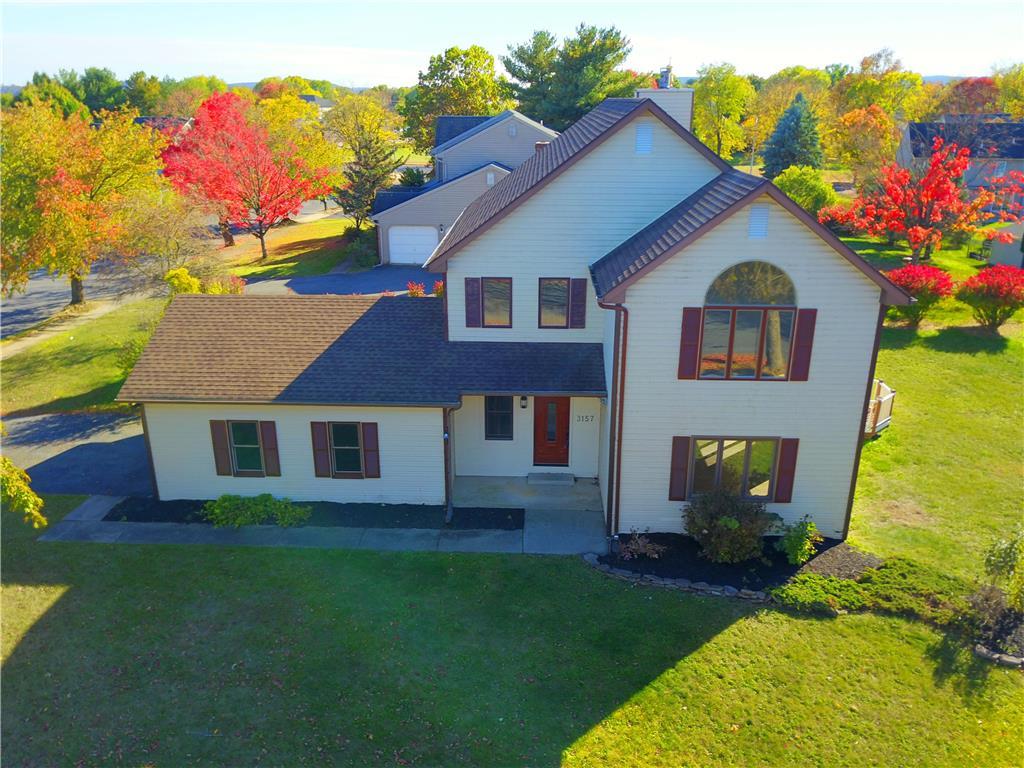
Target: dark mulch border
(682,559)
(137,509)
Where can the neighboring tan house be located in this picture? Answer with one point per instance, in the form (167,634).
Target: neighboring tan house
(997,146)
(623,308)
(471,154)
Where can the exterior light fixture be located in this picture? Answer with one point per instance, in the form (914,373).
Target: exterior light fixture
(522,401)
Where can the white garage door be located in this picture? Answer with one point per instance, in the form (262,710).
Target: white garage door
(411,245)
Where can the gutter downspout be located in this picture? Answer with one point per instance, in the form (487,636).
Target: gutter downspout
(617,401)
(446,426)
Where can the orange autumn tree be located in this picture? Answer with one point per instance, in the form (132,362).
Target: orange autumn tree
(923,207)
(64,184)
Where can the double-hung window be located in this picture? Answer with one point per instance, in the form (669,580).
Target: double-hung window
(246,450)
(346,448)
(553,301)
(498,417)
(497,302)
(743,467)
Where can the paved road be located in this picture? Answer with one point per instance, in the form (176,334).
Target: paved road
(47,295)
(102,453)
(376,280)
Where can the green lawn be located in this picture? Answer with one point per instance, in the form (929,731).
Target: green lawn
(174,656)
(295,250)
(78,368)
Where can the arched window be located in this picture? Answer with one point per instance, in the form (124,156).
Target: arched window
(749,322)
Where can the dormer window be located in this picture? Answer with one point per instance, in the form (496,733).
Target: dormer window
(644,138)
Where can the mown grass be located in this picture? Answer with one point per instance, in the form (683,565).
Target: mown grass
(296,250)
(148,655)
(78,368)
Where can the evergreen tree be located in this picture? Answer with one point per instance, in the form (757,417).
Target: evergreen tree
(795,140)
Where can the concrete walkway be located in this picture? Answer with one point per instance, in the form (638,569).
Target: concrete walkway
(544,532)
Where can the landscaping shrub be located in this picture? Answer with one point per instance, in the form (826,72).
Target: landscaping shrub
(820,595)
(1004,563)
(236,511)
(728,529)
(999,626)
(805,185)
(180,281)
(224,284)
(994,294)
(363,249)
(799,541)
(639,545)
(927,284)
(416,289)
(439,288)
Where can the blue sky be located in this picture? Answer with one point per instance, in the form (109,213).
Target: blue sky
(370,42)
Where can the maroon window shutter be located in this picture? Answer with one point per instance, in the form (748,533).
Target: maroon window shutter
(679,468)
(271,458)
(578,302)
(689,343)
(473,309)
(321,449)
(805,321)
(221,451)
(371,450)
(787,470)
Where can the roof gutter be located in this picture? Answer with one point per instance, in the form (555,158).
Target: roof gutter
(617,399)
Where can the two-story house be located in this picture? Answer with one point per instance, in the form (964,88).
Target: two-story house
(471,154)
(623,308)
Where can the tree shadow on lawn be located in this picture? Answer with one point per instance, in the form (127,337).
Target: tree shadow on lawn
(963,340)
(101,397)
(171,654)
(957,666)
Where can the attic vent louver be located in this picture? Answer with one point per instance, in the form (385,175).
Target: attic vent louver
(644,138)
(757,229)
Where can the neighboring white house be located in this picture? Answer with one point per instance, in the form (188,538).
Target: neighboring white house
(471,154)
(623,307)
(997,145)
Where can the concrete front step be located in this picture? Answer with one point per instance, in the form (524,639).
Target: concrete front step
(550,478)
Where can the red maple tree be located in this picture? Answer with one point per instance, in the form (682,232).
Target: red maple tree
(924,206)
(227,160)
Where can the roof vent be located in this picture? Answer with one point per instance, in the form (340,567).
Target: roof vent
(540,146)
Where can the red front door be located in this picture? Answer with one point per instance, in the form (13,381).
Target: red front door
(551,431)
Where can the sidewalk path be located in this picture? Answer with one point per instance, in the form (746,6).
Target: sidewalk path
(544,532)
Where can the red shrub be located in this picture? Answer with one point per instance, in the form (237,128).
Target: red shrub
(994,294)
(439,288)
(416,289)
(925,283)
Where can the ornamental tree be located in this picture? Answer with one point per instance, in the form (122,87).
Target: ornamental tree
(927,284)
(924,206)
(993,294)
(227,159)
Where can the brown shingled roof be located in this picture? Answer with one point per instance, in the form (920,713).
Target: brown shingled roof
(582,136)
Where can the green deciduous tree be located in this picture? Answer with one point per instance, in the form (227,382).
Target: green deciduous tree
(460,81)
(795,140)
(1010,82)
(721,97)
(559,84)
(369,133)
(16,494)
(101,89)
(44,88)
(143,92)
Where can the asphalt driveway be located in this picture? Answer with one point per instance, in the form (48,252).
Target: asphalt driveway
(96,453)
(390,277)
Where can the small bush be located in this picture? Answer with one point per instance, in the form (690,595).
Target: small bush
(416,289)
(993,294)
(728,529)
(363,250)
(439,288)
(180,281)
(925,283)
(799,541)
(412,177)
(1004,563)
(820,595)
(236,511)
(639,545)
(805,185)
(224,284)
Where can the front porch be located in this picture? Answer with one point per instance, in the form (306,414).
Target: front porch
(559,519)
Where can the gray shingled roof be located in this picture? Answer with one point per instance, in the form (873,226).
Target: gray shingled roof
(337,350)
(447,127)
(998,140)
(392,196)
(714,199)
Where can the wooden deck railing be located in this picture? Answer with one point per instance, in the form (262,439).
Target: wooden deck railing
(879,408)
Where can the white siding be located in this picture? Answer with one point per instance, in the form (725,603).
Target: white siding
(576,219)
(494,145)
(677,102)
(438,209)
(411,453)
(514,458)
(824,412)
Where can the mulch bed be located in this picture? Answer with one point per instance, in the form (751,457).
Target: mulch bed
(682,559)
(147,510)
